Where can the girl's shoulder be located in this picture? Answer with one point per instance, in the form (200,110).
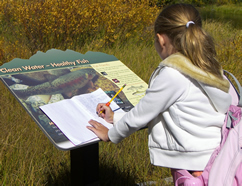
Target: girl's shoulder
(173,75)
(170,80)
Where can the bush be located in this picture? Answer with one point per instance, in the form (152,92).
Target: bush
(46,24)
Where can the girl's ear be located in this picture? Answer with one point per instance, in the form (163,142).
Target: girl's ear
(163,46)
(161,39)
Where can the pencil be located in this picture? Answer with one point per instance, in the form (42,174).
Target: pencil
(108,103)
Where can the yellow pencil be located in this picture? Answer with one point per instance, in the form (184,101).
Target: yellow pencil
(108,103)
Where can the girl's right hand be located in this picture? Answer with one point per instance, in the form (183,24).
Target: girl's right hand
(105,112)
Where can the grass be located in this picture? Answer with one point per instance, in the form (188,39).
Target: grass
(225,9)
(27,157)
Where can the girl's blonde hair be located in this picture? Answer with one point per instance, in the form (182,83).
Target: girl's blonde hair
(192,41)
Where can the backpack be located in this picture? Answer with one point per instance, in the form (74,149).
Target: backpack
(225,164)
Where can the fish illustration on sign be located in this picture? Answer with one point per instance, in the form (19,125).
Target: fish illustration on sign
(63,84)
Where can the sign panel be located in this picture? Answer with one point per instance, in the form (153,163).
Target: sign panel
(55,75)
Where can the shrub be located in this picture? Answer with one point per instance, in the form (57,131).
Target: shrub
(46,24)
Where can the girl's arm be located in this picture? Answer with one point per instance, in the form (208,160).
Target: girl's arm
(164,91)
(167,88)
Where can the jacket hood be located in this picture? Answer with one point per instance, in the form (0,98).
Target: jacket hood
(185,66)
(215,88)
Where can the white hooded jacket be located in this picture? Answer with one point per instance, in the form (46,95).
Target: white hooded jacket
(184,109)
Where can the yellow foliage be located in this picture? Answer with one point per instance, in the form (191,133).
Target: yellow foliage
(53,23)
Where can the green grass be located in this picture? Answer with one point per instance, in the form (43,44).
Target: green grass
(27,157)
(225,9)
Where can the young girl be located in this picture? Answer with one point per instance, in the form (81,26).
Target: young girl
(185,103)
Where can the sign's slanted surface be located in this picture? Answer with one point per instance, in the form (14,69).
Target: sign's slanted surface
(56,75)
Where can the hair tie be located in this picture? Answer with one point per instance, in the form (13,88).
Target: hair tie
(189,22)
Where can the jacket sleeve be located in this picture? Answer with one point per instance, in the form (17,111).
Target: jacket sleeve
(167,88)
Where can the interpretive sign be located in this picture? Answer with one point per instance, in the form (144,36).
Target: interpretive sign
(56,75)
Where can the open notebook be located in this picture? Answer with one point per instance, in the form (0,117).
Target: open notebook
(72,115)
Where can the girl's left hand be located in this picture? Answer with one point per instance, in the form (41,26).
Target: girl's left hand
(99,129)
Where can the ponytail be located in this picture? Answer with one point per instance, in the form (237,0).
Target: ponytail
(182,24)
